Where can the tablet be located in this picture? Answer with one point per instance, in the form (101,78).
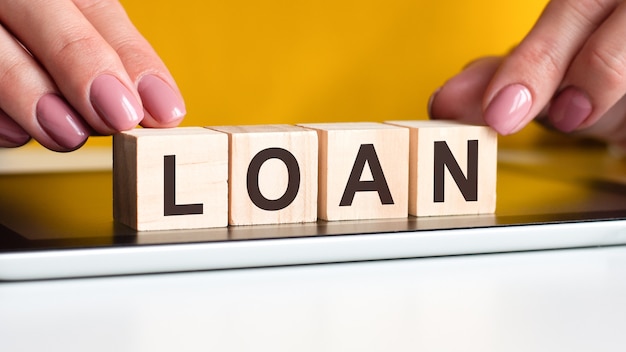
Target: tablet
(59,224)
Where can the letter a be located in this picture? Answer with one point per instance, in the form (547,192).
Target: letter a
(366,153)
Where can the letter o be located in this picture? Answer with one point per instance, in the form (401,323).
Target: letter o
(293,186)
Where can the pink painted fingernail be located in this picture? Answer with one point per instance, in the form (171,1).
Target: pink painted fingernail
(570,109)
(160,100)
(508,109)
(61,122)
(115,104)
(11,132)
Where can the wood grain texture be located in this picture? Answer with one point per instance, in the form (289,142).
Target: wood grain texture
(423,179)
(200,172)
(343,147)
(272,156)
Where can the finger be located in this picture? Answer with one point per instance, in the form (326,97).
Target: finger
(596,79)
(162,101)
(11,134)
(163,106)
(30,99)
(86,69)
(529,77)
(460,98)
(611,127)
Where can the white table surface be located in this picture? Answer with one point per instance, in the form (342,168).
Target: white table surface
(555,300)
(552,300)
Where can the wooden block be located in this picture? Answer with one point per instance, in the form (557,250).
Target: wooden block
(273,174)
(363,170)
(165,179)
(452,168)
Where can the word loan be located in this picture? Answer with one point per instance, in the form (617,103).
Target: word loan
(195,177)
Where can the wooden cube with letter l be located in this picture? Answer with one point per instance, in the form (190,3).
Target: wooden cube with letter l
(165,179)
(363,170)
(452,169)
(273,174)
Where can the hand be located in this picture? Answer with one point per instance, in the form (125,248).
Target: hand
(570,69)
(72,68)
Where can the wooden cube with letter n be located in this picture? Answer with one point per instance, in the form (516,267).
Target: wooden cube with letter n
(165,179)
(273,174)
(363,171)
(452,169)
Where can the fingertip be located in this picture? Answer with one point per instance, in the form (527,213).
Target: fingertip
(161,101)
(7,142)
(150,122)
(61,123)
(429,106)
(115,103)
(570,109)
(508,110)
(12,135)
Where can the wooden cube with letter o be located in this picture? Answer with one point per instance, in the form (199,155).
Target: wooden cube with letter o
(273,174)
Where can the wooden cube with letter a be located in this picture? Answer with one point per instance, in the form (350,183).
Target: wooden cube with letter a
(363,171)
(452,168)
(165,179)
(273,174)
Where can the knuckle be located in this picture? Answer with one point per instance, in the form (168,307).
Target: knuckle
(76,55)
(137,55)
(85,5)
(542,58)
(76,45)
(588,8)
(608,65)
(128,45)
(14,72)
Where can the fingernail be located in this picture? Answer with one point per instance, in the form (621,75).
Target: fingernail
(570,109)
(11,132)
(115,104)
(507,110)
(160,100)
(430,103)
(61,122)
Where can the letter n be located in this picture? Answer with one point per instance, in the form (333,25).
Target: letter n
(443,158)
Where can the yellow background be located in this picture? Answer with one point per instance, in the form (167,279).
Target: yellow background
(297,61)
(290,61)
